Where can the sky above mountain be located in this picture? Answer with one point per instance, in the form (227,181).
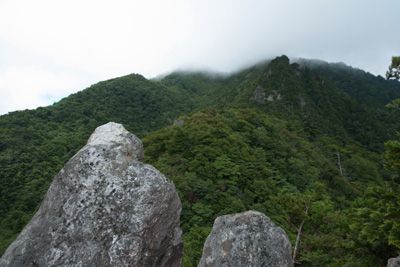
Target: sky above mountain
(49,49)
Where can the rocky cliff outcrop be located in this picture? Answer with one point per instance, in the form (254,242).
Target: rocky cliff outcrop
(394,262)
(246,239)
(104,208)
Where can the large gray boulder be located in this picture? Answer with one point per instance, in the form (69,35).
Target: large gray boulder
(246,239)
(394,262)
(104,208)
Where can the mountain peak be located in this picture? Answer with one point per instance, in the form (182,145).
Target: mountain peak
(281,59)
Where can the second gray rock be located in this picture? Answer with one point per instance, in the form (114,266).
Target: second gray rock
(246,239)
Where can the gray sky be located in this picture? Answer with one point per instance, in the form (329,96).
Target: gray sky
(49,49)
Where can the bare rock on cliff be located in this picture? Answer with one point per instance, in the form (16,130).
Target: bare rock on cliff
(246,239)
(394,262)
(104,208)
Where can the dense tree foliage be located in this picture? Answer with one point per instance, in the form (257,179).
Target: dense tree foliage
(301,142)
(234,160)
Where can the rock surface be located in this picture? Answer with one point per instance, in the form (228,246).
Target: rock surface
(259,95)
(246,239)
(394,262)
(104,208)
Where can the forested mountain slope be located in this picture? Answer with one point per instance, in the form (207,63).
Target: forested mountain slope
(318,98)
(299,142)
(363,86)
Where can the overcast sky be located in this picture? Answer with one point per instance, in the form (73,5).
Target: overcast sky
(51,48)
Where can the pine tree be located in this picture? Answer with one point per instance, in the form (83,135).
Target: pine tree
(394,69)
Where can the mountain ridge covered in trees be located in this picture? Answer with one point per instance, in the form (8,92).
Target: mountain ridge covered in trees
(303,142)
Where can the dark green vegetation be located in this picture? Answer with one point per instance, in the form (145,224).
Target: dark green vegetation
(301,142)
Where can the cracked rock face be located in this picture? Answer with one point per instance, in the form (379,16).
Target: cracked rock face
(104,208)
(246,239)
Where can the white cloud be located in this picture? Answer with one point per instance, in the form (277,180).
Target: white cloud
(24,88)
(61,46)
